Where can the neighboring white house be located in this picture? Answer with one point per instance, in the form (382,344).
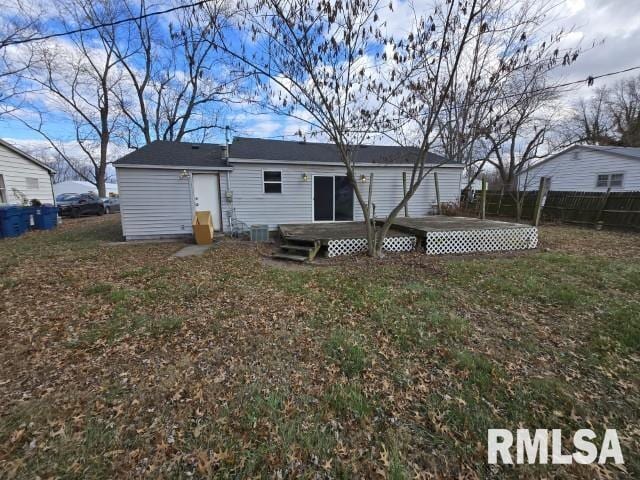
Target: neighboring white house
(267,182)
(587,168)
(23,175)
(78,186)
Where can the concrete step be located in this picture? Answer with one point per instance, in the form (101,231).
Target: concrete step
(291,257)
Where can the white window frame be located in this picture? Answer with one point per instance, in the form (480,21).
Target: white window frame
(609,177)
(598,180)
(272,182)
(3,190)
(621,180)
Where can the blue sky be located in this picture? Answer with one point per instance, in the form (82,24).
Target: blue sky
(617,22)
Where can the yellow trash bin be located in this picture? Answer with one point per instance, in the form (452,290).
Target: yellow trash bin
(203,227)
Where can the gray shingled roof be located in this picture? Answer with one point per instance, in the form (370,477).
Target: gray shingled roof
(627,151)
(257,148)
(179,154)
(175,154)
(632,152)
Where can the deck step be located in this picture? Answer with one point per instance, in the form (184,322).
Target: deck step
(299,248)
(293,258)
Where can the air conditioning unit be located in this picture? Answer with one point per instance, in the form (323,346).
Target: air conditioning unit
(259,233)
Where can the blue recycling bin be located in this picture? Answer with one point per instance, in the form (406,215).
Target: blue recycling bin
(11,221)
(46,217)
(26,213)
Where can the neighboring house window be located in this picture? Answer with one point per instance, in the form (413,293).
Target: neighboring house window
(616,180)
(32,183)
(548,182)
(607,180)
(272,181)
(3,190)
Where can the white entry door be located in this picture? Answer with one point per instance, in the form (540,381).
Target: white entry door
(206,195)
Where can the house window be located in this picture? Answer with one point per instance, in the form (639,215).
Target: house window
(31,183)
(616,180)
(272,181)
(3,190)
(609,180)
(547,181)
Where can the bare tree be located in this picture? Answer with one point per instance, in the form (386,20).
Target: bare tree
(19,22)
(334,67)
(482,96)
(520,137)
(592,119)
(77,76)
(59,164)
(176,83)
(624,108)
(611,116)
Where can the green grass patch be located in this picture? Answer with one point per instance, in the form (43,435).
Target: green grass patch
(345,350)
(99,288)
(348,400)
(619,327)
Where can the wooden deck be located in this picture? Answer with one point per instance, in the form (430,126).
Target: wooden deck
(418,226)
(324,232)
(436,235)
(440,223)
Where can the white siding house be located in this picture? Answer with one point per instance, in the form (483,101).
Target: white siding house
(20,173)
(159,202)
(295,203)
(587,168)
(261,182)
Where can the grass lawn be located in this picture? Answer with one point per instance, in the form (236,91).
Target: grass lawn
(120,361)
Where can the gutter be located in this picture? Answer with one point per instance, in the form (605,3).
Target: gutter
(174,167)
(332,164)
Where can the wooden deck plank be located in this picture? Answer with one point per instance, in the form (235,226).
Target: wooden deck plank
(403,226)
(441,223)
(329,231)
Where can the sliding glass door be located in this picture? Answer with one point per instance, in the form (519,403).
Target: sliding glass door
(332,198)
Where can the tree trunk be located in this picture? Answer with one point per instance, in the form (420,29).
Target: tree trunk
(518,206)
(101,171)
(100,180)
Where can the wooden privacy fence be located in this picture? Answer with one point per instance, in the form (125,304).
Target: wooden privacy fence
(609,209)
(503,204)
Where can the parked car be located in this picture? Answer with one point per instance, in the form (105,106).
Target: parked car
(111,204)
(76,204)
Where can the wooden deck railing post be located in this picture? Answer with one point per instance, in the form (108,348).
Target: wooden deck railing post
(404,191)
(435,180)
(371,214)
(483,198)
(542,193)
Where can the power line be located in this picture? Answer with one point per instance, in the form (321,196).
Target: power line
(103,25)
(589,81)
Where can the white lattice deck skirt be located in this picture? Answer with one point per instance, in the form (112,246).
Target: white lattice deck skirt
(470,241)
(348,246)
